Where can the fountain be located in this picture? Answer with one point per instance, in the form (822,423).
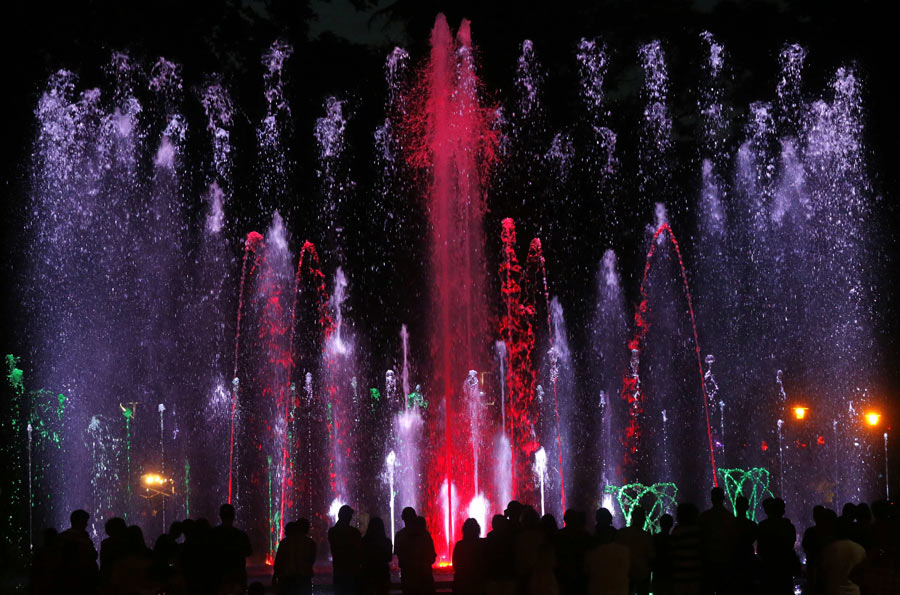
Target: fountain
(166,335)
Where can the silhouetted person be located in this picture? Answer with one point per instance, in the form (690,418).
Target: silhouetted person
(294,559)
(500,564)
(687,556)
(882,569)
(79,557)
(863,533)
(526,545)
(775,546)
(513,514)
(746,566)
(346,553)
(468,561)
(662,566)
(543,579)
(46,565)
(549,525)
(571,544)
(604,532)
(839,569)
(112,548)
(607,566)
(197,558)
(166,570)
(377,551)
(641,553)
(231,548)
(847,521)
(814,540)
(131,572)
(415,555)
(717,532)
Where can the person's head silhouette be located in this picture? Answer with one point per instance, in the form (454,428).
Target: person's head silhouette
(115,527)
(408,515)
(302,526)
(226,514)
(345,514)
(665,523)
(375,530)
(638,517)
(471,529)
(603,518)
(79,519)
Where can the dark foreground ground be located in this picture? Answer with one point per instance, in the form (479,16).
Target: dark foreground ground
(443,578)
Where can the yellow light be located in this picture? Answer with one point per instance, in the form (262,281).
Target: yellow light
(872,418)
(153,479)
(800,412)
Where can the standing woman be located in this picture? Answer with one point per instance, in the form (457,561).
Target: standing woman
(377,552)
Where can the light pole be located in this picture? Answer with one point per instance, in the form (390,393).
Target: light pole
(887,483)
(873,420)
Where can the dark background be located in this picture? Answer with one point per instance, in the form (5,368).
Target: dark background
(340,49)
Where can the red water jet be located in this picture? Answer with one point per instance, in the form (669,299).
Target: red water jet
(307,267)
(516,329)
(448,134)
(631,390)
(251,246)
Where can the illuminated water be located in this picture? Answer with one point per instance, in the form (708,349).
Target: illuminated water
(169,337)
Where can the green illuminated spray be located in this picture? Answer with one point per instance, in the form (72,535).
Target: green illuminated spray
(751,483)
(187,489)
(15,375)
(12,522)
(657,499)
(416,399)
(128,414)
(273,512)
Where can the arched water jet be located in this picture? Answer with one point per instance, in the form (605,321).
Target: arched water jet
(631,390)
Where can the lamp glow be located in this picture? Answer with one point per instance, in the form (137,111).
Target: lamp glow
(873,418)
(153,479)
(800,412)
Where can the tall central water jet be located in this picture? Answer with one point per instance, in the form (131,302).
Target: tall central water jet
(453,141)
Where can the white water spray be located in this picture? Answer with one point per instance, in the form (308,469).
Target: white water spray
(540,469)
(391,464)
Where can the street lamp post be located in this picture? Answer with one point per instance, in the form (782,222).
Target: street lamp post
(873,419)
(887,482)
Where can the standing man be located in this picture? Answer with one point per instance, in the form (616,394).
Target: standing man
(231,548)
(79,556)
(415,554)
(346,553)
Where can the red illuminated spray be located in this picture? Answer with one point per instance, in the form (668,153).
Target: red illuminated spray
(275,335)
(448,134)
(631,390)
(252,247)
(307,267)
(516,329)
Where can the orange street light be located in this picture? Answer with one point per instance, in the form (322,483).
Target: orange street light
(800,412)
(153,479)
(873,418)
